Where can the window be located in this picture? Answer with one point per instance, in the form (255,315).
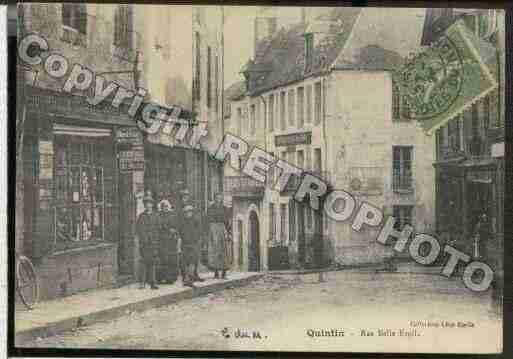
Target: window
(454,134)
(300,107)
(75,16)
(252,119)
(216,83)
(291,108)
(264,114)
(123,26)
(272,222)
(318,103)
(84,191)
(271,113)
(317,160)
(400,109)
(209,77)
(197,75)
(308,104)
(402,170)
(301,159)
(283,222)
(309,42)
(308,158)
(309,217)
(396,101)
(282,111)
(239,121)
(403,216)
(241,242)
(292,221)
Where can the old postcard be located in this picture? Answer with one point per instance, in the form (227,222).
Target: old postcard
(259,178)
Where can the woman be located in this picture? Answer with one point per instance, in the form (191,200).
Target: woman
(218,255)
(169,232)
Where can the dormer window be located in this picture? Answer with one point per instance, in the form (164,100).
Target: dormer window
(309,46)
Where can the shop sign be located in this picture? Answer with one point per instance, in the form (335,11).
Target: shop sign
(498,149)
(129,135)
(302,138)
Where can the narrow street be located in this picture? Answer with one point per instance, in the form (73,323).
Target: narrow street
(282,309)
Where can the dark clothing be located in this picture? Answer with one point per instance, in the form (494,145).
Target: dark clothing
(168,254)
(147,228)
(191,237)
(484,231)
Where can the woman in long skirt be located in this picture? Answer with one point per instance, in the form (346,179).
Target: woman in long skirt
(219,257)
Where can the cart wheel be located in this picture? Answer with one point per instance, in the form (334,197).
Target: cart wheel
(27,284)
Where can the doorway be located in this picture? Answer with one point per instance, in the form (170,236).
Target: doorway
(254,243)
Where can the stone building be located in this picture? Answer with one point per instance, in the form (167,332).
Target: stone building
(470,146)
(320,94)
(84,168)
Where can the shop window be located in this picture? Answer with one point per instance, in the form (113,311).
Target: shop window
(84,188)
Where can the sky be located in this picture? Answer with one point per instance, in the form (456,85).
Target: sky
(239,36)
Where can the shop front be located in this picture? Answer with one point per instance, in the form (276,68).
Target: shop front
(78,228)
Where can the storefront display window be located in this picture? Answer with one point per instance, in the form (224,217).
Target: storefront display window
(80,190)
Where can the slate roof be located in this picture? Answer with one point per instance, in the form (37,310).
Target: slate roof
(281,59)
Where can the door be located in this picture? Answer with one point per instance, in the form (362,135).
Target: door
(254,243)
(126,220)
(301,233)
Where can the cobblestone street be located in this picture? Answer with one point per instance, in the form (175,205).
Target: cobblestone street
(287,312)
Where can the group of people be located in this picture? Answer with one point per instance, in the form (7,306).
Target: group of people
(172,238)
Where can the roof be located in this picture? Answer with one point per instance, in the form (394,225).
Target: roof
(380,39)
(345,38)
(281,59)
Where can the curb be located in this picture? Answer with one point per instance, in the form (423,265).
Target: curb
(61,326)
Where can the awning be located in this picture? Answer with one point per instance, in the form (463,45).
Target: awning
(59,129)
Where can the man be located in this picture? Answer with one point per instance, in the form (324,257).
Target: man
(148,232)
(483,233)
(169,232)
(191,235)
(218,256)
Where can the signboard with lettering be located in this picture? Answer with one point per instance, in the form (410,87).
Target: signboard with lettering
(130,135)
(302,138)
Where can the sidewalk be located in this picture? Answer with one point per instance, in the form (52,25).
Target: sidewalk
(63,314)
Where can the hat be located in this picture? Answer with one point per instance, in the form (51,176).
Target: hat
(188,208)
(164,201)
(148,198)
